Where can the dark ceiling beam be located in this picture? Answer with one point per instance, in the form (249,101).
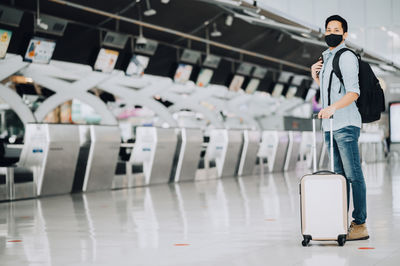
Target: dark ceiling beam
(183,35)
(259,37)
(175,46)
(121,12)
(202,26)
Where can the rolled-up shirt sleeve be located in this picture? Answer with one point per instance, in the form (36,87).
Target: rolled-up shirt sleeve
(349,67)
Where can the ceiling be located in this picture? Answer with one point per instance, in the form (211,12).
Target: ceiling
(81,40)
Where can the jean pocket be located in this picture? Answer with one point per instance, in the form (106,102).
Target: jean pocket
(347,134)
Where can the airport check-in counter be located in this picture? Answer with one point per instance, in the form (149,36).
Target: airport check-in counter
(225,148)
(292,151)
(154,149)
(248,156)
(282,141)
(274,145)
(187,154)
(15,182)
(306,150)
(98,155)
(125,173)
(84,147)
(372,146)
(51,151)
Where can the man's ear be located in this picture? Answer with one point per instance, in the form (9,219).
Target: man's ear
(345,35)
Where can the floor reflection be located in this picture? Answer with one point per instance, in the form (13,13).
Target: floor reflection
(145,219)
(236,221)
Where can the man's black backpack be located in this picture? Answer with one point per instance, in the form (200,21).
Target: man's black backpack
(371,102)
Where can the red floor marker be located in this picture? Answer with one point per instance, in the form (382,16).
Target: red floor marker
(15,241)
(270,220)
(366,248)
(181,245)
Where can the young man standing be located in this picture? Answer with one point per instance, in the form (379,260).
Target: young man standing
(346,119)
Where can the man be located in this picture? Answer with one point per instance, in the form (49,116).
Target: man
(346,119)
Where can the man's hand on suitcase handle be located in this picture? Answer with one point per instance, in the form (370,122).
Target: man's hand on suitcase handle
(327,112)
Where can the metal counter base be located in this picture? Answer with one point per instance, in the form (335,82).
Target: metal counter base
(248,157)
(155,149)
(52,149)
(274,147)
(11,190)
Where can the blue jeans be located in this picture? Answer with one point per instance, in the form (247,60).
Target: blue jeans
(346,158)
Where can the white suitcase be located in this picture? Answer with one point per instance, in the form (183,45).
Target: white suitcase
(323,200)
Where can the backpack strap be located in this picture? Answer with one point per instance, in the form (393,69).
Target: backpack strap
(329,88)
(335,63)
(336,70)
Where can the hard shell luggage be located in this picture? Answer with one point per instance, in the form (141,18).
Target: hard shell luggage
(323,200)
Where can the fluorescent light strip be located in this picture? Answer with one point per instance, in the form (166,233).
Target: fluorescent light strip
(310,41)
(229,2)
(273,24)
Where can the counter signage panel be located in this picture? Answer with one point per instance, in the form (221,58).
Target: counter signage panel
(5,37)
(252,86)
(236,83)
(204,77)
(106,60)
(137,65)
(40,50)
(183,73)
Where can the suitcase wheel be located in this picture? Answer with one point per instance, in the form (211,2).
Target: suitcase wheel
(306,241)
(341,240)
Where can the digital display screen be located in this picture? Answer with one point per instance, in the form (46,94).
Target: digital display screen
(106,60)
(5,37)
(183,73)
(204,77)
(252,86)
(277,90)
(40,50)
(212,61)
(260,72)
(137,65)
(394,110)
(236,83)
(245,69)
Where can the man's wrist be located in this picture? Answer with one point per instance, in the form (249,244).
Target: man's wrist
(333,107)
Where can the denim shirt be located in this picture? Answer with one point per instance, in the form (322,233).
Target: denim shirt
(348,63)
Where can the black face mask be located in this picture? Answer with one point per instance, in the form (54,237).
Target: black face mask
(333,40)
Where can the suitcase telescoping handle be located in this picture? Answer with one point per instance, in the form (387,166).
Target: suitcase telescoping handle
(315,117)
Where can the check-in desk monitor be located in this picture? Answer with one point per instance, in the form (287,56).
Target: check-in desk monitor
(5,37)
(106,60)
(137,65)
(40,50)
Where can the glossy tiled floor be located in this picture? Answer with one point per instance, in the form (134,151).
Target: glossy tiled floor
(247,221)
